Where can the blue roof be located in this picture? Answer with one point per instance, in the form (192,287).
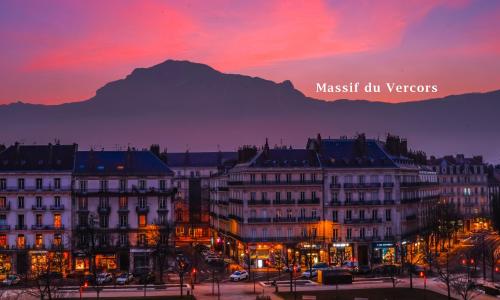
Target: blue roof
(275,158)
(344,153)
(116,163)
(38,157)
(199,159)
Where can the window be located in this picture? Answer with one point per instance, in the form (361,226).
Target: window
(349,233)
(374,179)
(289,232)
(302,212)
(142,184)
(162,202)
(302,177)
(264,232)
(3,219)
(142,220)
(388,231)
(387,214)
(335,197)
(288,178)
(289,213)
(335,216)
(348,197)
(335,179)
(39,202)
(252,178)
(39,183)
(103,185)
(20,183)
(143,202)
(20,221)
(289,196)
(264,196)
(374,214)
(3,202)
(83,185)
(362,214)
(361,196)
(123,220)
(57,221)
(387,196)
(252,196)
(178,215)
(83,220)
(104,221)
(82,203)
(348,215)
(39,219)
(302,196)
(57,183)
(57,239)
(362,232)
(141,239)
(39,240)
(313,196)
(162,184)
(123,202)
(3,184)
(277,178)
(314,213)
(263,178)
(387,179)
(375,232)
(361,179)
(21,241)
(103,202)
(3,240)
(20,202)
(123,239)
(57,201)
(335,234)
(123,185)
(278,197)
(314,231)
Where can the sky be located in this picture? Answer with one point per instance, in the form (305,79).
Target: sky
(62,51)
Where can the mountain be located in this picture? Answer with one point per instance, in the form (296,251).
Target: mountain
(181,104)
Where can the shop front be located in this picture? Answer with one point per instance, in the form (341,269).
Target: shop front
(311,253)
(141,260)
(383,253)
(5,265)
(340,253)
(103,262)
(42,261)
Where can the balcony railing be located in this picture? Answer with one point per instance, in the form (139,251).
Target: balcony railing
(273,182)
(104,210)
(416,184)
(363,221)
(47,227)
(123,209)
(364,202)
(410,200)
(284,202)
(335,203)
(259,202)
(5,207)
(57,207)
(21,227)
(411,218)
(4,227)
(235,217)
(371,185)
(142,209)
(39,208)
(387,185)
(389,202)
(236,201)
(259,220)
(285,220)
(309,201)
(308,219)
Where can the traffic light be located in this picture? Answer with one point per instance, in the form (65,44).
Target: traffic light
(464,261)
(193,271)
(421,274)
(85,284)
(471,261)
(497,269)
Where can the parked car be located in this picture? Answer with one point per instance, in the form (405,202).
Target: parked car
(124,278)
(239,275)
(210,259)
(310,273)
(416,269)
(363,269)
(104,277)
(147,278)
(11,280)
(386,270)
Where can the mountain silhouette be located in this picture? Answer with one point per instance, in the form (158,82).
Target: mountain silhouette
(181,105)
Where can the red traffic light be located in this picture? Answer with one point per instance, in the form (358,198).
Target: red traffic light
(193,271)
(464,261)
(421,274)
(85,284)
(472,261)
(497,269)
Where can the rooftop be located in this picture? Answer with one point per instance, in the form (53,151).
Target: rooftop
(38,157)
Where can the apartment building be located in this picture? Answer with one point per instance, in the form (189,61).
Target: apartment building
(35,206)
(464,184)
(338,200)
(122,208)
(192,173)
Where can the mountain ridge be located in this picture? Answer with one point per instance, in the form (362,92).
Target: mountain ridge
(183,104)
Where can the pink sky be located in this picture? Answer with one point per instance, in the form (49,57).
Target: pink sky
(61,51)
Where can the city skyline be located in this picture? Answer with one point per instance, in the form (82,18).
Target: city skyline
(448,43)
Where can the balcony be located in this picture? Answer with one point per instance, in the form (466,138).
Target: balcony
(5,207)
(123,209)
(4,227)
(335,186)
(285,220)
(267,183)
(260,202)
(59,207)
(104,210)
(411,217)
(82,209)
(162,210)
(259,220)
(389,202)
(21,227)
(123,226)
(365,202)
(284,202)
(363,221)
(410,200)
(308,219)
(309,201)
(416,184)
(372,185)
(235,201)
(388,185)
(46,227)
(39,208)
(142,209)
(235,217)
(335,203)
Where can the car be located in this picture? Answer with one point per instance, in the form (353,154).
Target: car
(239,275)
(210,259)
(11,280)
(289,268)
(416,269)
(351,264)
(124,278)
(147,278)
(310,273)
(104,277)
(363,269)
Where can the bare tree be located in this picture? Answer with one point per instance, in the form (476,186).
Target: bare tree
(46,273)
(159,238)
(444,273)
(491,256)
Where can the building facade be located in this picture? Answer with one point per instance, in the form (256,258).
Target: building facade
(338,201)
(464,184)
(122,209)
(35,206)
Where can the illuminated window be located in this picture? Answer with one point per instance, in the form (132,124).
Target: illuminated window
(3,240)
(142,221)
(57,239)
(21,241)
(123,202)
(57,221)
(39,240)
